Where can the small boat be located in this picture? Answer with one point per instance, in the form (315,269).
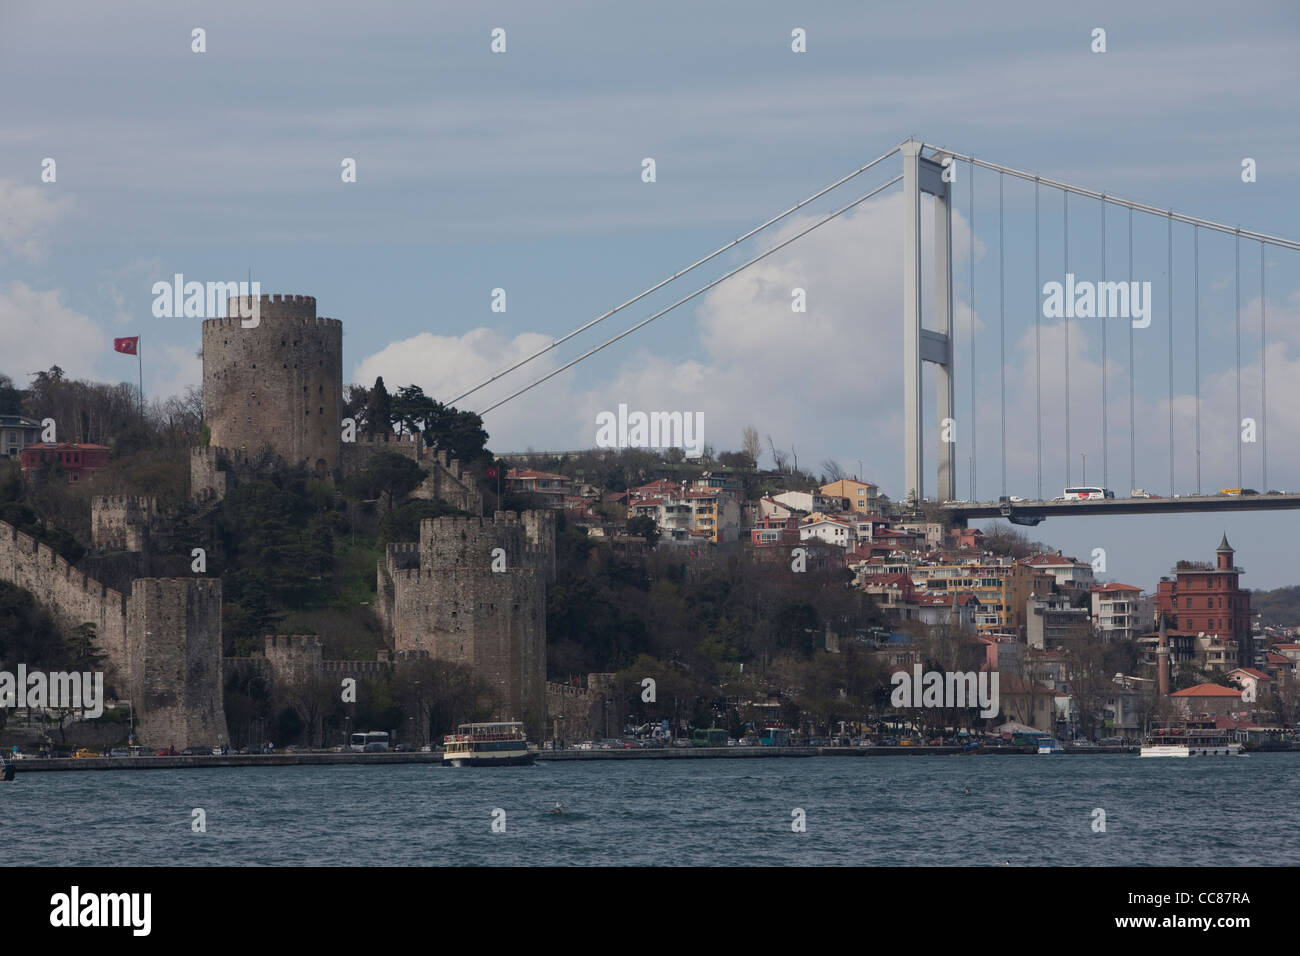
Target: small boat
(1049,745)
(7,769)
(501,744)
(1190,738)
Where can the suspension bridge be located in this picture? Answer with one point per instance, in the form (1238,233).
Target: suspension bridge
(933,171)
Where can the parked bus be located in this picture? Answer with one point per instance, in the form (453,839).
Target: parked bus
(773,736)
(711,737)
(368,741)
(1087,493)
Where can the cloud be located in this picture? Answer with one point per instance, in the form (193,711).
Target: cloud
(38,331)
(28,214)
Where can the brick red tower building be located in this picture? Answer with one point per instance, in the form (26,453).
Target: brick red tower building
(1205,598)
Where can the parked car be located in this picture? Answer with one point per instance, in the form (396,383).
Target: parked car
(585,745)
(119,753)
(83,753)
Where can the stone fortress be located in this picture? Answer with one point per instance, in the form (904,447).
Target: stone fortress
(473,590)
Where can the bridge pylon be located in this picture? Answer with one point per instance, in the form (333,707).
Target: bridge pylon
(925,175)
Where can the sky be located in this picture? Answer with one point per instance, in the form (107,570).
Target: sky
(522,170)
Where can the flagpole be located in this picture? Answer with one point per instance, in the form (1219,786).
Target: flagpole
(140,363)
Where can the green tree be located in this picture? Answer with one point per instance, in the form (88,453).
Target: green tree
(386,474)
(645,527)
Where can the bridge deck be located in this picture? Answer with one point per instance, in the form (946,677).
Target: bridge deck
(1028,511)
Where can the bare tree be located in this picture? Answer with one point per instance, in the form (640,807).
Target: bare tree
(779,458)
(832,470)
(751,445)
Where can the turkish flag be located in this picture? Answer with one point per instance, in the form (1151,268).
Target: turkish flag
(491,472)
(128,346)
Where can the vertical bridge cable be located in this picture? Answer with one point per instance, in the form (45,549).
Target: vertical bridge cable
(1236,329)
(1263,370)
(1196,343)
(1038,351)
(1069,307)
(1169,241)
(1105,447)
(970,187)
(1002,328)
(1132,439)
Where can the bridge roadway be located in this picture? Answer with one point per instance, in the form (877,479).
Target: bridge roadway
(1033,512)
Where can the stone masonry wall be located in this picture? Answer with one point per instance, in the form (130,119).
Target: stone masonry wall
(174,656)
(70,596)
(121,522)
(278,384)
(452,605)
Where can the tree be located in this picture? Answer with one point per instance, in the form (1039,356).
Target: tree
(11,397)
(832,470)
(388,474)
(445,428)
(751,445)
(779,458)
(378,410)
(645,527)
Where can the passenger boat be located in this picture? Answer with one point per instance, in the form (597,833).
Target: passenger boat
(1049,745)
(1190,738)
(501,744)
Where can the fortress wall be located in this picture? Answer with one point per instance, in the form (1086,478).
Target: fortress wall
(70,596)
(175,657)
(278,384)
(119,521)
(493,622)
(355,455)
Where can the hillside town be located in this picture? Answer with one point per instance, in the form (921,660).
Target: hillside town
(1028,614)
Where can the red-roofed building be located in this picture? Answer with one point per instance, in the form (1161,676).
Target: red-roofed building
(550,489)
(775,532)
(1204,598)
(1069,574)
(1210,699)
(1121,611)
(78,461)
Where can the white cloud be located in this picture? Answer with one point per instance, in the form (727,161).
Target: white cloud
(28,213)
(38,331)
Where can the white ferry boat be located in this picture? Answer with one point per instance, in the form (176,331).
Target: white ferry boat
(1190,738)
(502,744)
(1049,745)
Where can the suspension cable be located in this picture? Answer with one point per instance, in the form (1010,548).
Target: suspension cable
(1002,326)
(970,188)
(1169,241)
(702,289)
(1263,368)
(1038,350)
(1066,312)
(676,275)
(1196,343)
(1132,434)
(1236,329)
(1105,408)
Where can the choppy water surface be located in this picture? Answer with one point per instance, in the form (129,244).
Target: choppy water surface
(905,811)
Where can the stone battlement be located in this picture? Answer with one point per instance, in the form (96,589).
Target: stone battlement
(386,439)
(125,501)
(291,641)
(228,322)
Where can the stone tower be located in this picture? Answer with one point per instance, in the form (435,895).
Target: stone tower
(278,384)
(474,591)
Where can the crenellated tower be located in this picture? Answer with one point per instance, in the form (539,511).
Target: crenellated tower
(276,384)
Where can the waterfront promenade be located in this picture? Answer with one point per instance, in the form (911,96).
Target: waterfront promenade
(384,759)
